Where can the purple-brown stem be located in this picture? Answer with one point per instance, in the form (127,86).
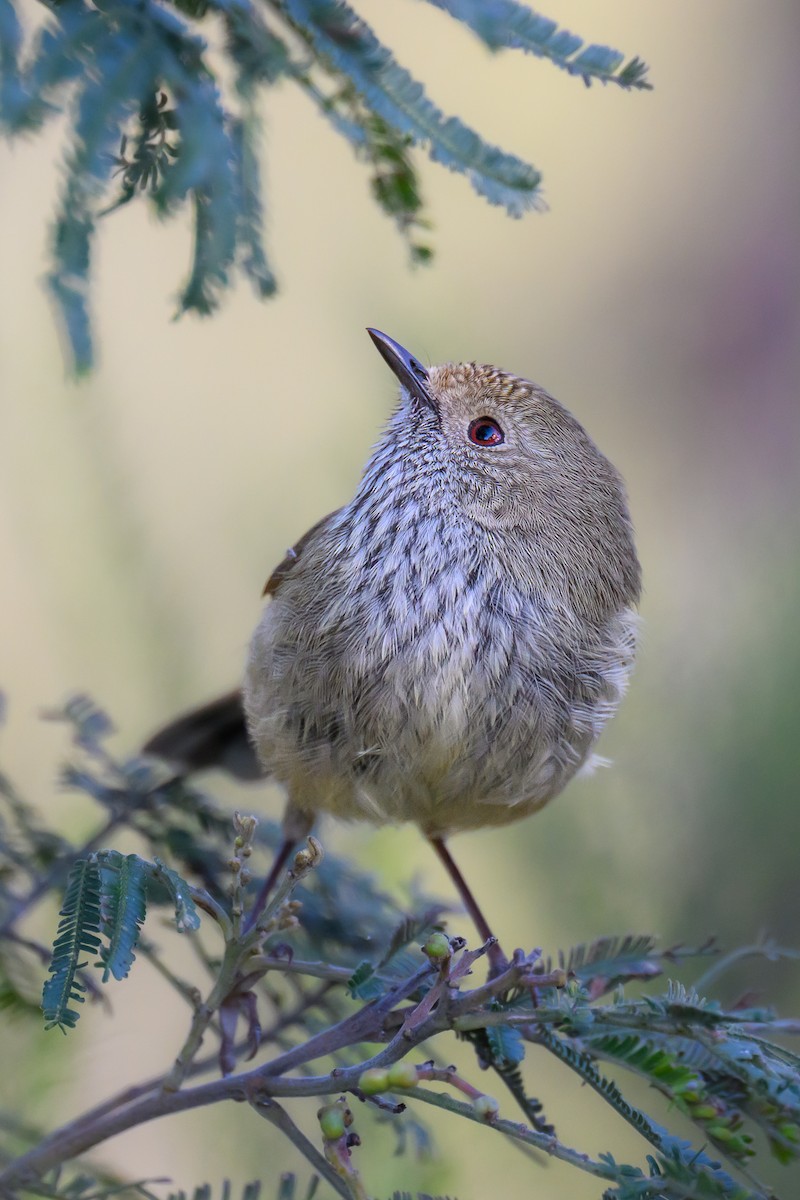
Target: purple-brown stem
(497,960)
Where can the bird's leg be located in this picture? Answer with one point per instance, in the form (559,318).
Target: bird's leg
(273,875)
(497,960)
(296,825)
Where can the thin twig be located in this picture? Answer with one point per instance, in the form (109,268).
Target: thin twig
(271,1111)
(298,966)
(204,1014)
(549,1143)
(766,949)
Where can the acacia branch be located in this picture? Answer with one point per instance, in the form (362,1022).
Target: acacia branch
(268,1081)
(374,1022)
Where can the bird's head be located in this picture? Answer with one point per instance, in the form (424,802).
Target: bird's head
(518,462)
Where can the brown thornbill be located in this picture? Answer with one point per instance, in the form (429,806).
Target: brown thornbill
(447,647)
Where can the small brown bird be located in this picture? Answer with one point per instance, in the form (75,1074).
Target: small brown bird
(446,648)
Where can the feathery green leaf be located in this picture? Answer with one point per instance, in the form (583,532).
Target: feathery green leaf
(364,984)
(14,100)
(106,899)
(112,68)
(606,962)
(121,75)
(506,1045)
(580,1062)
(337,32)
(250,217)
(77,935)
(187,918)
(505,24)
(259,55)
(123,908)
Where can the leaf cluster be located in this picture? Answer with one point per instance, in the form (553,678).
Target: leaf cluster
(104,908)
(161,102)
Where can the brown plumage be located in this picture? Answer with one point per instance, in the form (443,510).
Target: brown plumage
(447,647)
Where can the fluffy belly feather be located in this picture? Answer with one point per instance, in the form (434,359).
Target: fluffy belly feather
(443,729)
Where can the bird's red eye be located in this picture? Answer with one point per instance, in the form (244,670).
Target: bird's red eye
(485,432)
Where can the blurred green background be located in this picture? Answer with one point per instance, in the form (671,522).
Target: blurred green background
(658,299)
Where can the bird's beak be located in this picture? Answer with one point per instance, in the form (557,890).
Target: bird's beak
(409,370)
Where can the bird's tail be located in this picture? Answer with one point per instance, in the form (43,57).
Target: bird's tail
(213,735)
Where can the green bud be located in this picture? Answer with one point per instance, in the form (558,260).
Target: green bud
(437,947)
(402,1075)
(331,1122)
(373,1080)
(703,1112)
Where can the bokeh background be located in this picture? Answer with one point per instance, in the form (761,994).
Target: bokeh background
(658,298)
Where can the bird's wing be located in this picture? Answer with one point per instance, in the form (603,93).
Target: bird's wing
(215,734)
(290,559)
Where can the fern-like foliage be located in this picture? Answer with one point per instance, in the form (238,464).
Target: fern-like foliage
(676,1176)
(612,958)
(78,934)
(677,1160)
(505,24)
(334,30)
(105,901)
(146,107)
(123,904)
(607,962)
(583,1065)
